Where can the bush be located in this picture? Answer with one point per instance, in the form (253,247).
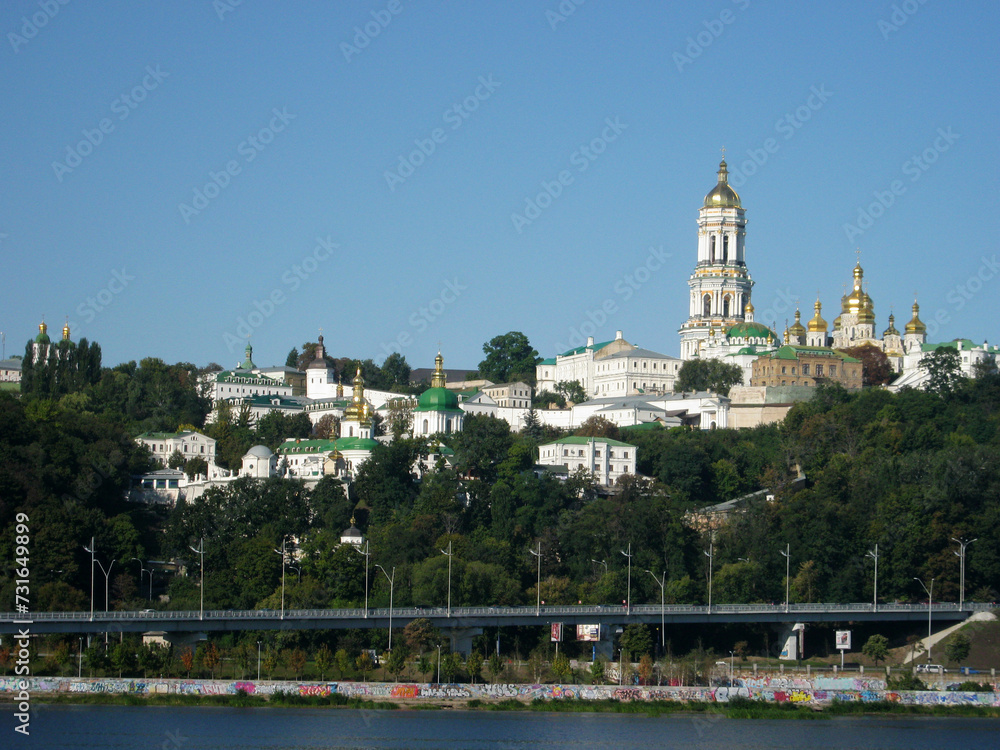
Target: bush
(905,681)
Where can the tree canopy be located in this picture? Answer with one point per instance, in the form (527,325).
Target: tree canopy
(708,375)
(509,357)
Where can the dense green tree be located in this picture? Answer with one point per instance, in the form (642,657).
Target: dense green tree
(708,375)
(876,648)
(571,390)
(944,370)
(509,357)
(957,649)
(292,360)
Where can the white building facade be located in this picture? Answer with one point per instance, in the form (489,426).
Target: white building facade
(607,459)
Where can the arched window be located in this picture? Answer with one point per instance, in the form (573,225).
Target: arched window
(707,305)
(447,427)
(725,248)
(725,307)
(711,249)
(425,426)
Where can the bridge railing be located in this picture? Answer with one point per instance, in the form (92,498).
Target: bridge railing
(546,611)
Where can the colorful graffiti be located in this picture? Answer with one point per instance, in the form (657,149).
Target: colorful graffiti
(822,690)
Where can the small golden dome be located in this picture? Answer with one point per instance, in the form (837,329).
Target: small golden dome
(836,323)
(66,331)
(797,328)
(891,330)
(357,410)
(438,378)
(817,324)
(916,325)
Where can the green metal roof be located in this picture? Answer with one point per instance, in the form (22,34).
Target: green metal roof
(306,446)
(549,361)
(582,349)
(966,344)
(790,351)
(438,399)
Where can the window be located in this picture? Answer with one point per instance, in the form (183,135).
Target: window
(805,369)
(565,452)
(793,371)
(707,305)
(597,453)
(782,369)
(833,370)
(819,371)
(626,454)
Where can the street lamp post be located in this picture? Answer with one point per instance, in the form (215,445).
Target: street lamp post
(91,549)
(141,571)
(710,554)
(663,633)
(449,554)
(930,599)
(873,554)
(600,562)
(79,658)
(538,580)
(258,661)
(391,579)
(367,554)
(787,552)
(282,553)
(962,543)
(628,598)
(107,579)
(732,655)
(201,551)
(439,664)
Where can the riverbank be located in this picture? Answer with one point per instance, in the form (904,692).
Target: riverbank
(827,694)
(740,708)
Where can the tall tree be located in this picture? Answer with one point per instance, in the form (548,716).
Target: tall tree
(944,370)
(509,357)
(292,360)
(708,375)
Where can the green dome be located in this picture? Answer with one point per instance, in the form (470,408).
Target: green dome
(437,399)
(751,330)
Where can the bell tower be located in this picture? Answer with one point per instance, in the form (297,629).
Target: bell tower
(720,285)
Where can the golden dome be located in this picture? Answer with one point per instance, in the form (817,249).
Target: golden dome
(891,330)
(836,323)
(854,302)
(358,410)
(916,325)
(797,328)
(867,314)
(817,324)
(438,379)
(66,331)
(722,196)
(748,310)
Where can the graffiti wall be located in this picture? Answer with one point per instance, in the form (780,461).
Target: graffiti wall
(819,690)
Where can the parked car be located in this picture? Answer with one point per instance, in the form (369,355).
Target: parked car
(934,668)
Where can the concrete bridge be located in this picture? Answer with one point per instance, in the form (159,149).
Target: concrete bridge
(464,622)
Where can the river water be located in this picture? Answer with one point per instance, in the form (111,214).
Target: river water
(211,728)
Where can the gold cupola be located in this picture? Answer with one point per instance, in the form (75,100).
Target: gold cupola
(817,324)
(66,330)
(358,410)
(797,328)
(438,379)
(916,325)
(722,196)
(891,330)
(854,302)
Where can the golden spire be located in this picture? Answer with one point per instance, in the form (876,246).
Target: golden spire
(438,379)
(66,330)
(817,324)
(916,325)
(797,328)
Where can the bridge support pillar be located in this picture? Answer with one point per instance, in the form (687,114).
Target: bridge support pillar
(792,641)
(461,639)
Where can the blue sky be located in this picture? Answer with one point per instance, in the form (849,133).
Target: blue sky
(372,168)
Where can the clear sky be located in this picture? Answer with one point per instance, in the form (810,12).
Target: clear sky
(177,175)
